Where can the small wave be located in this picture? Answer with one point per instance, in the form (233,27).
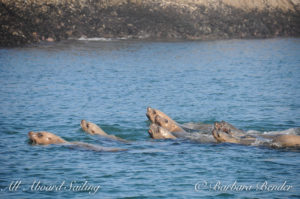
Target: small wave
(294,131)
(101,38)
(253,132)
(148,151)
(260,141)
(267,138)
(94,39)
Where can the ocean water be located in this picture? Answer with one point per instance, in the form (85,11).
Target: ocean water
(253,84)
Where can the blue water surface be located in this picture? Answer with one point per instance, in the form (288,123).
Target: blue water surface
(253,84)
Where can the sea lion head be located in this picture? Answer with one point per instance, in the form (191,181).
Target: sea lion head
(91,128)
(169,125)
(44,138)
(163,122)
(228,128)
(151,113)
(86,126)
(158,132)
(223,126)
(223,134)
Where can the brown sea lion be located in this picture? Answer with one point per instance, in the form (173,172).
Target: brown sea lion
(46,138)
(197,132)
(158,132)
(173,126)
(151,113)
(94,129)
(167,124)
(229,128)
(222,133)
(163,120)
(161,126)
(287,141)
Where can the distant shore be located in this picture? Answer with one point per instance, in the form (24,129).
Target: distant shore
(31,21)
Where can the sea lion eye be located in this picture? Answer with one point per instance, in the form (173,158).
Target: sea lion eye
(40,135)
(87,125)
(154,112)
(166,121)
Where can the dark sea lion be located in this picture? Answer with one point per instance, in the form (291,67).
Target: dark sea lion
(46,138)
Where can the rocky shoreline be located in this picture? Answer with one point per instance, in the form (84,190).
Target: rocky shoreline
(31,21)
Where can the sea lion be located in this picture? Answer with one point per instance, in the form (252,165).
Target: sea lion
(225,135)
(158,132)
(164,120)
(151,113)
(173,126)
(46,138)
(167,124)
(286,141)
(163,129)
(222,133)
(229,128)
(197,132)
(94,129)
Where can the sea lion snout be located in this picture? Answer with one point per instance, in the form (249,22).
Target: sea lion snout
(151,110)
(152,130)
(84,125)
(150,133)
(32,137)
(150,114)
(217,126)
(31,133)
(147,113)
(82,122)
